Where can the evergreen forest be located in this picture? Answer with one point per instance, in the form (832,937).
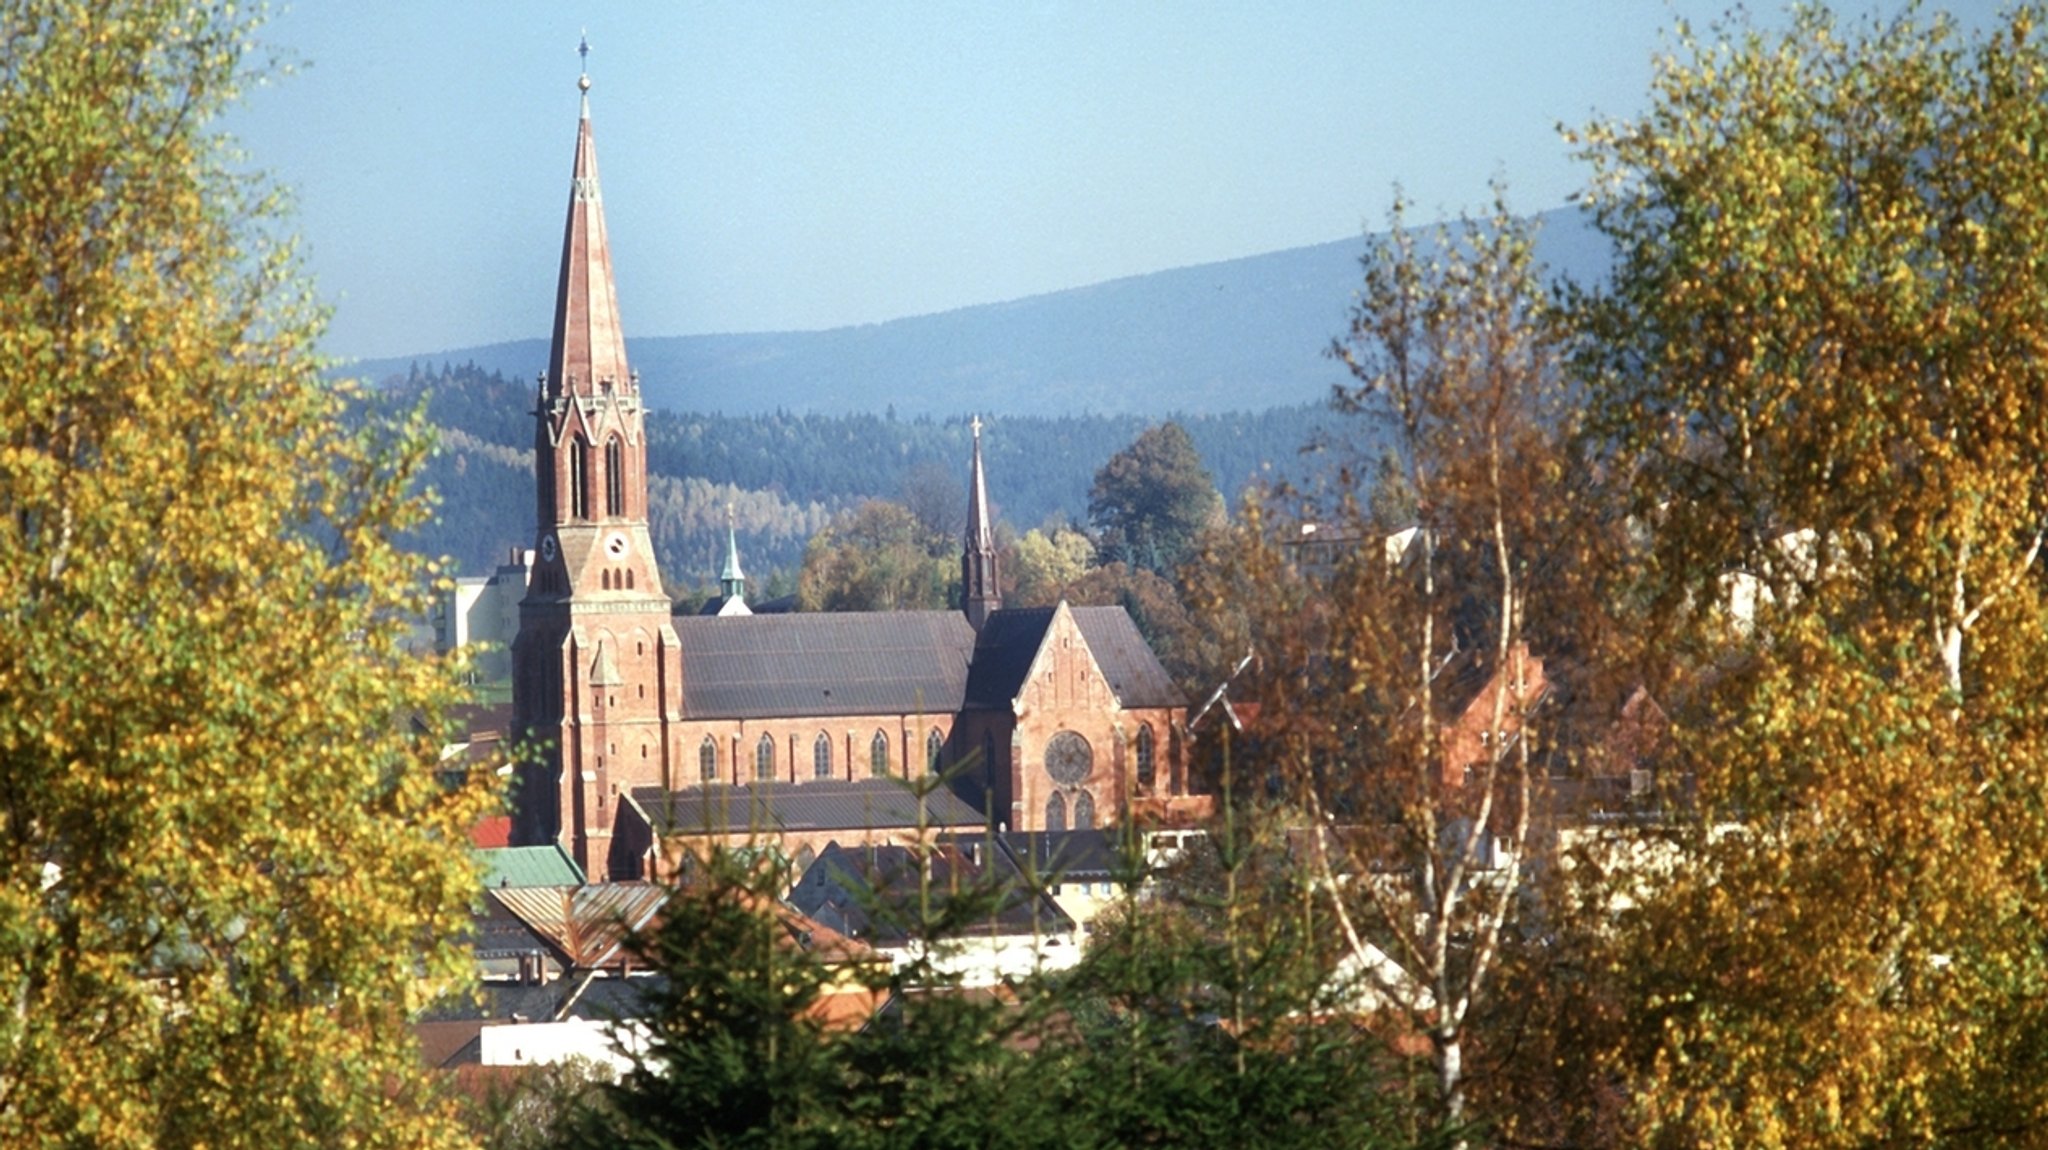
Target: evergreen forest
(786,475)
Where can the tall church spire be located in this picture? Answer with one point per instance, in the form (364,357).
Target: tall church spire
(981,593)
(589,348)
(595,662)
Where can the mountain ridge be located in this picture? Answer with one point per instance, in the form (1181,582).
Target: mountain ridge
(1234,335)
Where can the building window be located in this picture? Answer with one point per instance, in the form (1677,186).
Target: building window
(1146,775)
(1084,811)
(1056,812)
(579,480)
(764,759)
(821,756)
(933,747)
(878,755)
(707,760)
(614,477)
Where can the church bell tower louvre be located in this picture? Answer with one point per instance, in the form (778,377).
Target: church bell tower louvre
(596,669)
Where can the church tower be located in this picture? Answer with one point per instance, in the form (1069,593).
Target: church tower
(981,592)
(596,658)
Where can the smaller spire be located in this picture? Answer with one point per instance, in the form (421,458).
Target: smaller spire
(981,592)
(979,534)
(732,580)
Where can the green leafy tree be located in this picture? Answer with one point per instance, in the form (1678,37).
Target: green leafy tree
(876,558)
(228,869)
(1043,563)
(1153,499)
(1818,368)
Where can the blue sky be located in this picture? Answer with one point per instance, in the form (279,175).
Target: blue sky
(779,166)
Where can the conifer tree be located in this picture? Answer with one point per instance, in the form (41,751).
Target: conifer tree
(228,869)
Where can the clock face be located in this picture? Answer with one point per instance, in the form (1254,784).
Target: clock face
(616,545)
(1068,758)
(547,547)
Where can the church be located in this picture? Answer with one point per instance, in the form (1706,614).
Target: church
(646,721)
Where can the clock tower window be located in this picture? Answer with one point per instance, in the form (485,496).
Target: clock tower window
(614,477)
(579,480)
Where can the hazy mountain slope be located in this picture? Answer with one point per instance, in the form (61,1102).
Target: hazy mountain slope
(1241,335)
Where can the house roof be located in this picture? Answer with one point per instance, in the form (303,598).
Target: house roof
(586,924)
(871,891)
(1073,856)
(586,996)
(826,804)
(499,933)
(491,832)
(853,663)
(548,865)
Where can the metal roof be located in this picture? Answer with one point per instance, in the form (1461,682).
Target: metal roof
(826,804)
(1127,661)
(586,924)
(1011,639)
(895,662)
(855,663)
(548,865)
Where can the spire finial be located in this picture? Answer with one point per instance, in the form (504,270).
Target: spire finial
(976,424)
(583,51)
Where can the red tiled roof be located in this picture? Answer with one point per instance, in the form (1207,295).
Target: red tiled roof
(491,832)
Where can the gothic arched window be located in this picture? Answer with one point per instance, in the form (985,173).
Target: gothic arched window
(1146,772)
(821,756)
(1084,811)
(1056,812)
(707,760)
(614,477)
(934,747)
(878,755)
(579,480)
(764,759)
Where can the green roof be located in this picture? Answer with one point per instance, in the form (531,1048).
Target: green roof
(529,866)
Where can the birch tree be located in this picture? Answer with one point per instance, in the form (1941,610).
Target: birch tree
(1818,366)
(1399,694)
(228,866)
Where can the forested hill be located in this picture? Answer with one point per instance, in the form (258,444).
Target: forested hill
(786,474)
(1221,337)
